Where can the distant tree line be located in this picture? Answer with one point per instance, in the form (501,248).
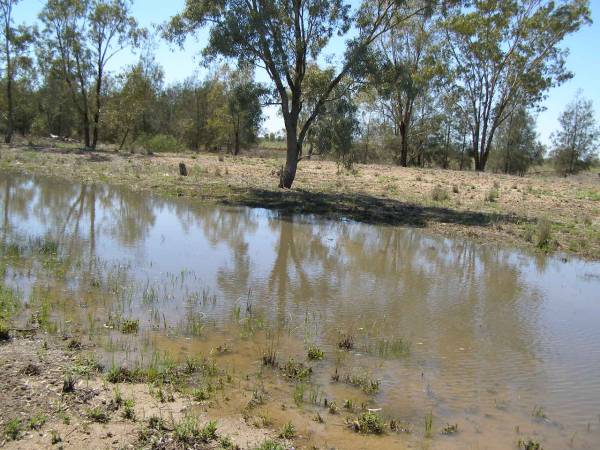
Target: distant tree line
(453,84)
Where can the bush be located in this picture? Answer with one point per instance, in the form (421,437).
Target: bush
(439,194)
(160,143)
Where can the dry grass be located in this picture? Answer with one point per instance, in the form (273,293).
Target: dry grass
(369,193)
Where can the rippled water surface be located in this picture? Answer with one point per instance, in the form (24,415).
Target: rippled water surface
(487,335)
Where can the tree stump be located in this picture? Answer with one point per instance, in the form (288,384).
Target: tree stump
(183,170)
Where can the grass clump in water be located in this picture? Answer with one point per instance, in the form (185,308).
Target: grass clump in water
(388,348)
(130,326)
(368,423)
(529,445)
(315,353)
(428,425)
(450,429)
(539,413)
(346,342)
(295,370)
(544,235)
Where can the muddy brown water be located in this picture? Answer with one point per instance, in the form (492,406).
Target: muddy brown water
(493,333)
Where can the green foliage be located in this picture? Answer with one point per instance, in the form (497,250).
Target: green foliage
(315,353)
(296,370)
(270,445)
(188,431)
(288,431)
(516,145)
(368,423)
(130,326)
(80,39)
(504,54)
(439,194)
(576,142)
(13,429)
(97,414)
(529,444)
(159,143)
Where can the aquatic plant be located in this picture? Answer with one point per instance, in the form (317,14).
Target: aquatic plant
(296,370)
(315,353)
(367,384)
(368,423)
(428,424)
(333,408)
(130,326)
(544,234)
(346,342)
(298,393)
(450,429)
(529,444)
(539,413)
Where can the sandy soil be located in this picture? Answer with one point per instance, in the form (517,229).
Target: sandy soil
(32,373)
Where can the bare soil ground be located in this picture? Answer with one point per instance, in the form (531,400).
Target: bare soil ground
(490,208)
(36,411)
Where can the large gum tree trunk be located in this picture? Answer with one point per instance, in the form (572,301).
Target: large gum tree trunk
(291,161)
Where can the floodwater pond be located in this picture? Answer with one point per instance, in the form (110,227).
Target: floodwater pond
(444,331)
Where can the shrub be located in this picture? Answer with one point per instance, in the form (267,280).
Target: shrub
(492,195)
(439,194)
(161,143)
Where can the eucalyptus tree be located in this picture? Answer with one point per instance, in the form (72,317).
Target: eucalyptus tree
(283,37)
(405,67)
(244,109)
(84,35)
(577,141)
(504,54)
(15,43)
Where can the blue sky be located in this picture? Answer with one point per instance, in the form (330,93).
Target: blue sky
(583,61)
